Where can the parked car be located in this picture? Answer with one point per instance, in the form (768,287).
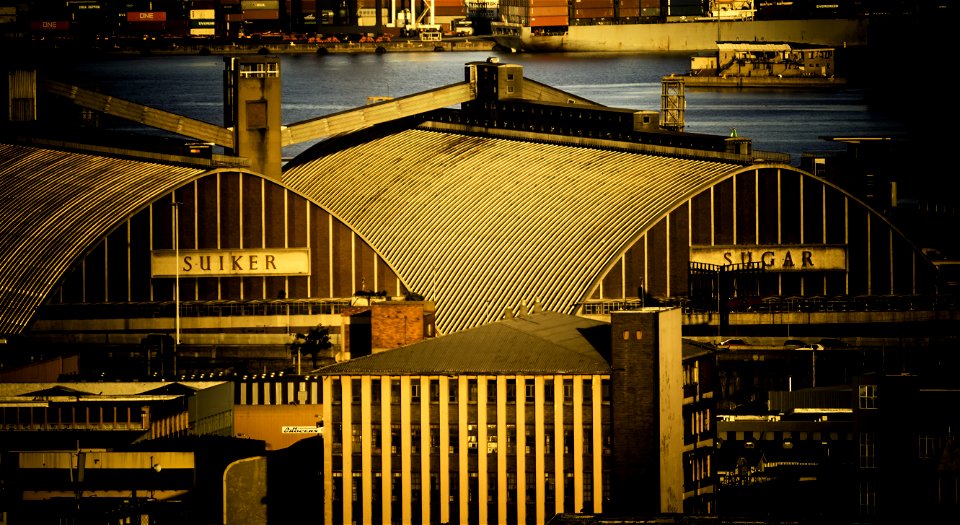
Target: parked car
(794,343)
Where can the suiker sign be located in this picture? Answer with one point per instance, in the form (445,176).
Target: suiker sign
(775,258)
(223,263)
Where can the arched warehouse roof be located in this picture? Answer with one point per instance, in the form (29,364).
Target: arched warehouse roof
(481,223)
(55,205)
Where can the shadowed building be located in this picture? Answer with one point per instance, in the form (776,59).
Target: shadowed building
(513,422)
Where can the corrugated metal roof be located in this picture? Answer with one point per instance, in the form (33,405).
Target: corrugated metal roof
(540,343)
(54,205)
(479,224)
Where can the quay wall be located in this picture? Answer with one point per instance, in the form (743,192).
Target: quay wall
(698,35)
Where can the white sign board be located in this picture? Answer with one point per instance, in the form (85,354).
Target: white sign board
(220,263)
(775,258)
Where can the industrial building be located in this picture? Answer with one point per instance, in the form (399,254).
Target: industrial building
(420,219)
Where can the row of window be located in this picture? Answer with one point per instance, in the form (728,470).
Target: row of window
(433,394)
(491,446)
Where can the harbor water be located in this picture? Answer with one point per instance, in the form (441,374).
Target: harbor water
(783,120)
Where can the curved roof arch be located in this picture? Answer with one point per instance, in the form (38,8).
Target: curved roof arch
(54,205)
(480,224)
(544,219)
(753,167)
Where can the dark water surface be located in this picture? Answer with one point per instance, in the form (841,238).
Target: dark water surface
(789,121)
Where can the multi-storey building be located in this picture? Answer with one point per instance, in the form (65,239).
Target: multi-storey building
(511,422)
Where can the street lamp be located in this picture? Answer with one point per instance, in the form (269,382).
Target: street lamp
(176,282)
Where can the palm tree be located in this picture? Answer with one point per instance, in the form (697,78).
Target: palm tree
(315,342)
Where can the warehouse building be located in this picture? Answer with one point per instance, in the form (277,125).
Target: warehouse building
(523,195)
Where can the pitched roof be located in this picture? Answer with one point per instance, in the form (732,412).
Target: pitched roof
(539,343)
(54,205)
(481,223)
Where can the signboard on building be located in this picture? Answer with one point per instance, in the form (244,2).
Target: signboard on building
(147,16)
(301,430)
(775,258)
(50,25)
(225,263)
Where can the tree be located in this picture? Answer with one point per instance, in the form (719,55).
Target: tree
(314,342)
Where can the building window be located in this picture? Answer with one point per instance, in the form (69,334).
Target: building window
(356,436)
(531,393)
(568,392)
(868,396)
(415,391)
(434,392)
(511,391)
(548,390)
(867,450)
(491,439)
(472,391)
(395,391)
(868,498)
(453,392)
(472,436)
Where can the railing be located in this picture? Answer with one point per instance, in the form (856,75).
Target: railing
(861,303)
(148,310)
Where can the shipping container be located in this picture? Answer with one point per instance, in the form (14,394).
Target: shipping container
(203,4)
(146,16)
(203,14)
(261,14)
(548,21)
(649,4)
(534,4)
(593,4)
(448,11)
(50,25)
(629,12)
(630,4)
(256,5)
(194,31)
(595,13)
(548,11)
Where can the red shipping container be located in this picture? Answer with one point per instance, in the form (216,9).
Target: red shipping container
(459,11)
(448,3)
(549,21)
(630,4)
(592,4)
(233,17)
(629,12)
(650,4)
(308,6)
(547,11)
(50,25)
(261,14)
(147,16)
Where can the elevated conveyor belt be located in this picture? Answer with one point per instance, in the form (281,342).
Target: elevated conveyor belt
(386,111)
(307,130)
(155,118)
